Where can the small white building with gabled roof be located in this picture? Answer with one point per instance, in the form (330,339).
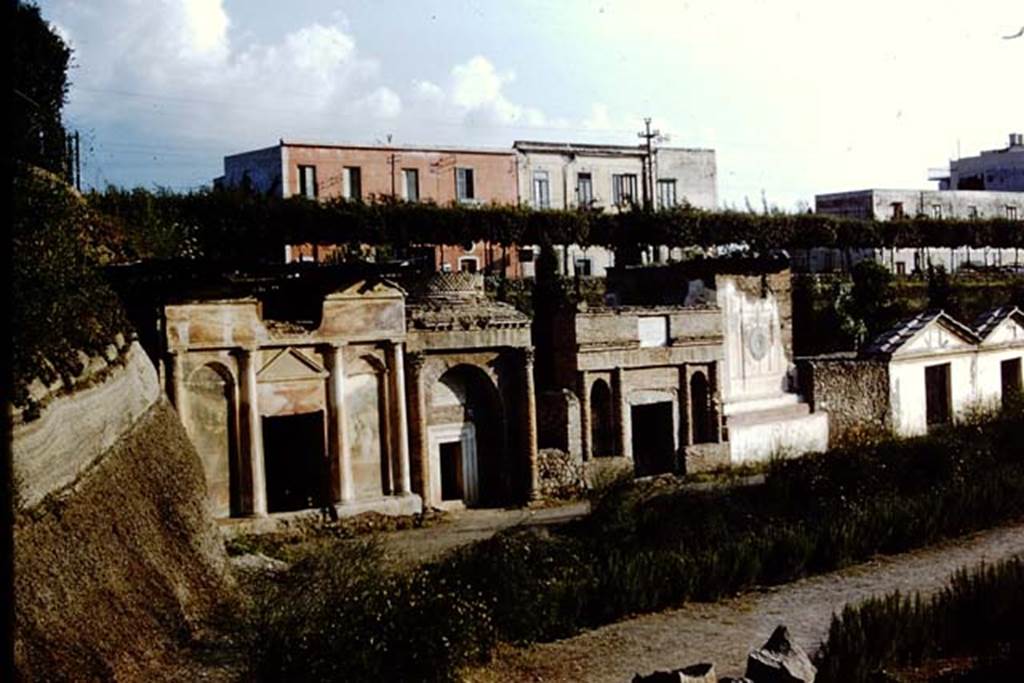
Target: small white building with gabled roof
(939,369)
(1000,354)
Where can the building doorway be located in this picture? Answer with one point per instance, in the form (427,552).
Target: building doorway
(938,409)
(700,409)
(602,441)
(467,440)
(296,465)
(1009,371)
(653,442)
(452,471)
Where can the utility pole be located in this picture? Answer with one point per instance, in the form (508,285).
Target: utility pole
(648,167)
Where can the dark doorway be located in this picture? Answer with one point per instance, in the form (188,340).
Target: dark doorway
(452,486)
(653,443)
(1011,380)
(601,426)
(296,466)
(700,409)
(937,394)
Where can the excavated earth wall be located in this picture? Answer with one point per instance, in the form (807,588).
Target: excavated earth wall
(118,564)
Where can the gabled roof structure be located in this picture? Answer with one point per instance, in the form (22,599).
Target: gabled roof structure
(986,323)
(889,342)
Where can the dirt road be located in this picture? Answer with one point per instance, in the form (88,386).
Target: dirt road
(723,632)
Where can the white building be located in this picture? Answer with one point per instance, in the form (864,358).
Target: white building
(557,175)
(885,205)
(995,169)
(940,369)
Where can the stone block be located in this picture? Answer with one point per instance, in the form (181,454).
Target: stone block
(780,660)
(696,673)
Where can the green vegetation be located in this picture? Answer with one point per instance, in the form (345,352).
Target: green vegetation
(60,303)
(980,614)
(831,312)
(39,86)
(237,224)
(646,548)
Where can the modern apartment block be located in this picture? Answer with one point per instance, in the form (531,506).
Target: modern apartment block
(995,169)
(566,175)
(543,175)
(364,172)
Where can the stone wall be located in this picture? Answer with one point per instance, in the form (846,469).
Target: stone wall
(561,474)
(558,422)
(118,563)
(854,393)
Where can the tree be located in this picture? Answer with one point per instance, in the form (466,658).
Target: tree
(40,88)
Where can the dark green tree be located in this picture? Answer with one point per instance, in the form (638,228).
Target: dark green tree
(40,88)
(941,294)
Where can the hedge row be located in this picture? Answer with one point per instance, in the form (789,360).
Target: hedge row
(227,223)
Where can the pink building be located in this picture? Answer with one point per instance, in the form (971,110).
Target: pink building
(442,175)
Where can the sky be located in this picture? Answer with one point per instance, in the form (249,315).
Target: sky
(797,97)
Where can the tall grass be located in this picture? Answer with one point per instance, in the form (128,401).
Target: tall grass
(980,613)
(641,551)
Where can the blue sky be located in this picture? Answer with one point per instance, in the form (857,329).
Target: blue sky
(796,96)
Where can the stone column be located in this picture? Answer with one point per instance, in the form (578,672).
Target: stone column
(252,427)
(337,426)
(685,428)
(178,383)
(585,428)
(624,438)
(400,425)
(530,424)
(418,424)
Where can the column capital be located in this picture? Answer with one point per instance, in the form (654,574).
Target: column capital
(529,354)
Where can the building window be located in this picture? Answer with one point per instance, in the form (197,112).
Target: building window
(623,188)
(464,190)
(468,264)
(353,180)
(1011,213)
(897,210)
(526,255)
(583,267)
(666,193)
(307,181)
(410,184)
(972,212)
(584,189)
(937,211)
(541,190)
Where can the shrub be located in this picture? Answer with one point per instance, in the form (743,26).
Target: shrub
(338,614)
(975,613)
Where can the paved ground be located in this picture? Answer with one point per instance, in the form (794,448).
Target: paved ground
(467,526)
(723,632)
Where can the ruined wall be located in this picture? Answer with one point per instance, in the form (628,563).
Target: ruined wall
(854,393)
(118,563)
(558,422)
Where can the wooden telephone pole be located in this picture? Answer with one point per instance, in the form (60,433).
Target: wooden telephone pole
(648,136)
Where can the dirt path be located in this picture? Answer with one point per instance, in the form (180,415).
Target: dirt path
(467,526)
(725,631)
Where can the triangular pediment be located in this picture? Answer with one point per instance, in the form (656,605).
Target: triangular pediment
(936,337)
(291,364)
(368,289)
(1009,331)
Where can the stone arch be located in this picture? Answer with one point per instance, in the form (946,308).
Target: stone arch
(700,409)
(602,422)
(212,419)
(467,438)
